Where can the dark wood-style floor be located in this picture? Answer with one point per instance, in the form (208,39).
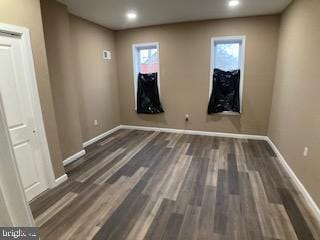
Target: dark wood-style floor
(150,185)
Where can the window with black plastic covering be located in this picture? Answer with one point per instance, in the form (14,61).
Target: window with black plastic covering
(225,93)
(148,100)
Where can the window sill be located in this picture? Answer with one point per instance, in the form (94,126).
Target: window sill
(229,113)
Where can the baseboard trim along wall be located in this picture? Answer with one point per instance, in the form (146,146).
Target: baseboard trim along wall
(74,157)
(313,206)
(60,180)
(103,135)
(196,132)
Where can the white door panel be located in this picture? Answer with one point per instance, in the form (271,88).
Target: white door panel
(17,101)
(26,165)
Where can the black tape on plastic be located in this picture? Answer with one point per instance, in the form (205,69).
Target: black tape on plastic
(148,100)
(225,93)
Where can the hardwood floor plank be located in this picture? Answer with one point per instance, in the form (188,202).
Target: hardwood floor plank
(63,220)
(103,178)
(48,198)
(55,208)
(283,224)
(249,209)
(190,226)
(300,226)
(235,227)
(154,185)
(267,223)
(143,223)
(171,232)
(159,223)
(206,221)
(222,204)
(122,220)
(83,177)
(233,176)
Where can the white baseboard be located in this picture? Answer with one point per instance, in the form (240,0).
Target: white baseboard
(97,138)
(313,206)
(195,132)
(74,157)
(60,180)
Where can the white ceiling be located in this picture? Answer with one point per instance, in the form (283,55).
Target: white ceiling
(112,13)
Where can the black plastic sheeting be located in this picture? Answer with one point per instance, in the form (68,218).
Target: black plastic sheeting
(225,92)
(148,100)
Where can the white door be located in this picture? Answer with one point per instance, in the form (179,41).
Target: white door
(15,91)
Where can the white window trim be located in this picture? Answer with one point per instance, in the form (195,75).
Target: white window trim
(242,59)
(135,48)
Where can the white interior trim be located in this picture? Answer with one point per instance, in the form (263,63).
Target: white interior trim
(23,33)
(195,132)
(14,202)
(97,138)
(243,57)
(74,157)
(135,48)
(60,180)
(309,200)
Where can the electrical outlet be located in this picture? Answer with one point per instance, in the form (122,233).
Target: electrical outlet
(187,117)
(95,122)
(305,152)
(107,55)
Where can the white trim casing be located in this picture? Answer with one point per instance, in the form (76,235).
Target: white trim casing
(309,200)
(74,157)
(97,138)
(243,57)
(24,34)
(135,48)
(60,180)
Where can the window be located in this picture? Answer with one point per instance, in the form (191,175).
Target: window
(227,54)
(145,60)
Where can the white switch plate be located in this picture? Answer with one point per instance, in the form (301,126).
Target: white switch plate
(95,122)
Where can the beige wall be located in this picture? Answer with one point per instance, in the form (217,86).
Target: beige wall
(27,14)
(185,69)
(63,83)
(97,82)
(295,114)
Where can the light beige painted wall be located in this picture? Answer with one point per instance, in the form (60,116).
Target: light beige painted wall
(185,70)
(96,78)
(27,14)
(63,83)
(295,114)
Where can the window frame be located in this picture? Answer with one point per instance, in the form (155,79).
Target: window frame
(135,50)
(229,39)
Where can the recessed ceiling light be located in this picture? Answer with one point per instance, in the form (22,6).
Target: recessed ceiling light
(233,3)
(131,15)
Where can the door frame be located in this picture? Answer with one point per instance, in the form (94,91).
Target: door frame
(24,35)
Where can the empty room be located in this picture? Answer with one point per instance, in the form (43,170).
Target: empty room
(156,120)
